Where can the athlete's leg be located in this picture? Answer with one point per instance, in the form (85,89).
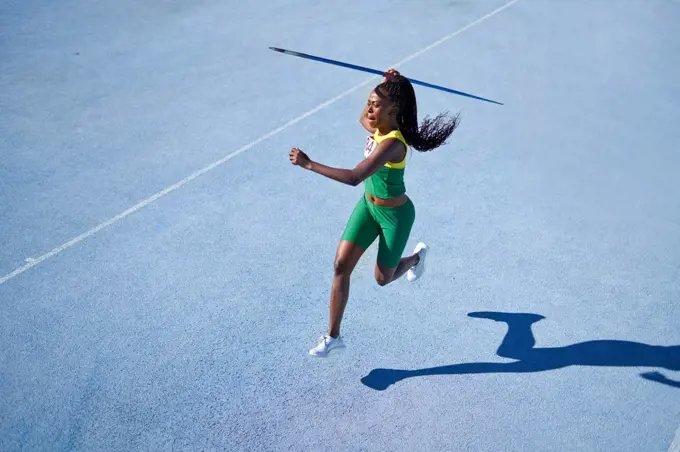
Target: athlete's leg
(395,228)
(384,275)
(346,258)
(360,232)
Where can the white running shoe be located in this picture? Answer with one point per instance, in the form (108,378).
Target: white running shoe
(417,270)
(325,345)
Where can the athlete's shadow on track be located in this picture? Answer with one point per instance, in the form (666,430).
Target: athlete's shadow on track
(519,344)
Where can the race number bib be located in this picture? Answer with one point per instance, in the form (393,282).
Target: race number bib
(370,146)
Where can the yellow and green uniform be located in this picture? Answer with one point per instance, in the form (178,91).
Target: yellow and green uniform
(391,224)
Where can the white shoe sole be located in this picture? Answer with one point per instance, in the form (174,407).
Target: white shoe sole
(340,347)
(317,355)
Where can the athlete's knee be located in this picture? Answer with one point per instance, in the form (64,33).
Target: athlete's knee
(341,266)
(382,280)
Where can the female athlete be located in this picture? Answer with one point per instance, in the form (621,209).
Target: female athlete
(384,210)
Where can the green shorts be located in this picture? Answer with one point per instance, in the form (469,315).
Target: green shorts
(391,224)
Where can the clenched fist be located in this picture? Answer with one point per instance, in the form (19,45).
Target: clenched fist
(299,158)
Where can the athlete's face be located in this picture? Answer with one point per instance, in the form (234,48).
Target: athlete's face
(381,111)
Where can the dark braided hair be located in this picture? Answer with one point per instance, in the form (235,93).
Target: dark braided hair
(432,133)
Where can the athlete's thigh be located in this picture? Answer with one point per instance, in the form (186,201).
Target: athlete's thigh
(362,228)
(395,230)
(360,232)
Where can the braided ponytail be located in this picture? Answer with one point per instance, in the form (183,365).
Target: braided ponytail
(432,133)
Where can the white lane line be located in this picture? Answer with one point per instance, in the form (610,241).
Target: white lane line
(35,261)
(675,445)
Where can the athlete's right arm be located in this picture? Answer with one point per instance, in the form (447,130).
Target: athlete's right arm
(364,120)
(385,151)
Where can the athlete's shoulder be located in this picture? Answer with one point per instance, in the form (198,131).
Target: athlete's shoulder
(396,133)
(395,136)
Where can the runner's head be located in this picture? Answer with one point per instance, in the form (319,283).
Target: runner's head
(398,100)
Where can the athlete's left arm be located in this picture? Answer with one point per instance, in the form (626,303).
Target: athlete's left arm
(384,152)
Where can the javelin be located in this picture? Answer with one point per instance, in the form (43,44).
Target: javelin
(375,71)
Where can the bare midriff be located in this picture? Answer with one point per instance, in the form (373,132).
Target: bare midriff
(392,202)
